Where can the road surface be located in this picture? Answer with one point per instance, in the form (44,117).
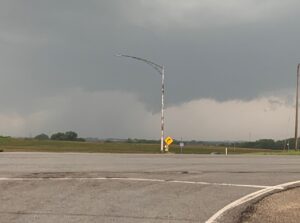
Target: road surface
(80,187)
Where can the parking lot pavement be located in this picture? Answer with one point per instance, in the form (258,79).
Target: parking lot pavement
(52,187)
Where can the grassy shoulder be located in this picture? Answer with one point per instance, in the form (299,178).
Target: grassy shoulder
(31,145)
(281,152)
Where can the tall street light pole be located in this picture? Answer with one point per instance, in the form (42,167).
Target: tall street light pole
(296,119)
(161,70)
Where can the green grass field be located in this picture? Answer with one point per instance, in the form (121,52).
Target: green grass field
(30,145)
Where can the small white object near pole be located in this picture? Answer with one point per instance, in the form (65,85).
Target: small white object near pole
(181,146)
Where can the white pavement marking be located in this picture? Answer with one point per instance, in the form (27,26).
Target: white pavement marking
(249,197)
(135,179)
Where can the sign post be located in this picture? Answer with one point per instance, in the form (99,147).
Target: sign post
(181,144)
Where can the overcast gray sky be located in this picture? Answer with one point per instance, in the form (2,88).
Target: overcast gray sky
(230,67)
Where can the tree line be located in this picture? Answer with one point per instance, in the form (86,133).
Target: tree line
(259,144)
(267,144)
(66,136)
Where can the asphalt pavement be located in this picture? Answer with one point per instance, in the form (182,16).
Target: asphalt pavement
(80,187)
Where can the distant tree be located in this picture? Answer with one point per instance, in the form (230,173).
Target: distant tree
(67,136)
(265,143)
(5,137)
(58,136)
(42,137)
(71,136)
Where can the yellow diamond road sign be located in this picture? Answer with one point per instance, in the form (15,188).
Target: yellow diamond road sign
(169,140)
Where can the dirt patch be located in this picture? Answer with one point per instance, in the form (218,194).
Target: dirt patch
(277,208)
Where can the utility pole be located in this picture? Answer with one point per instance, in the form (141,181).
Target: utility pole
(162,109)
(296,119)
(161,70)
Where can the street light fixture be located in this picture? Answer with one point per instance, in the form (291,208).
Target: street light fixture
(161,70)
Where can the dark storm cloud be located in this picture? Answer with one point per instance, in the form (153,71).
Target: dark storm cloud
(209,52)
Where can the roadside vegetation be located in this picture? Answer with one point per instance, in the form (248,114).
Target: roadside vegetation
(269,144)
(280,152)
(67,136)
(8,144)
(69,142)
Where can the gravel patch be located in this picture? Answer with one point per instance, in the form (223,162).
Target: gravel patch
(277,208)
